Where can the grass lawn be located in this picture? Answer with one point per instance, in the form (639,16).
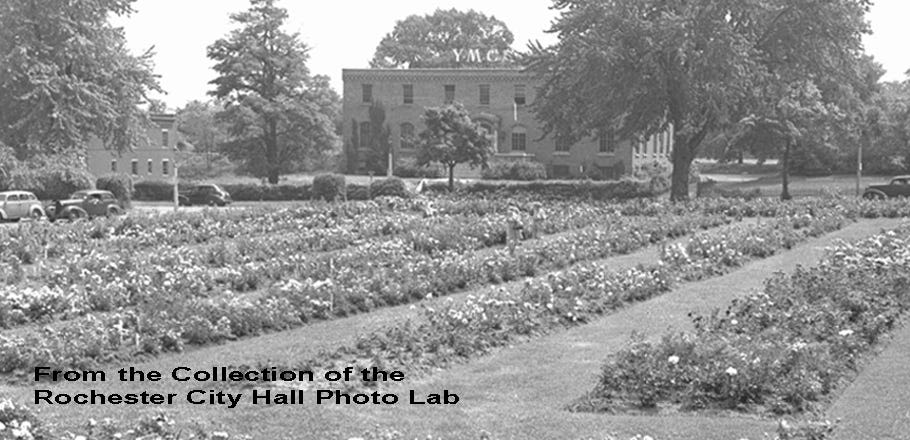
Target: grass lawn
(518,392)
(801,186)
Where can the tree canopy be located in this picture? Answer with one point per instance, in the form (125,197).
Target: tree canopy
(66,74)
(451,137)
(279,116)
(638,67)
(446,38)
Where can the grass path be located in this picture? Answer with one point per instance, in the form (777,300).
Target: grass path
(521,391)
(876,406)
(518,392)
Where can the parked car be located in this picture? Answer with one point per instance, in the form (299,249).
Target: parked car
(899,187)
(17,205)
(207,194)
(85,204)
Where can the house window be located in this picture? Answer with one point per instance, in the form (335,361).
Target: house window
(114,165)
(407,136)
(519,139)
(165,138)
(408,93)
(607,142)
(560,171)
(449,93)
(484,94)
(562,144)
(367,93)
(520,98)
(366,132)
(135,167)
(151,166)
(165,167)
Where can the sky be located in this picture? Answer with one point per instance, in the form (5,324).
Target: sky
(344,33)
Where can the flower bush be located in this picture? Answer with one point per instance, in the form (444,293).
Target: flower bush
(780,351)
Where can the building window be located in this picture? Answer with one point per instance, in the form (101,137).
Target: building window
(519,139)
(135,167)
(114,165)
(366,132)
(560,171)
(607,142)
(151,166)
(520,98)
(484,94)
(165,167)
(407,136)
(562,144)
(449,93)
(408,93)
(165,138)
(367,93)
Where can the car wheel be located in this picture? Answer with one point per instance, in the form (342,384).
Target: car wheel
(114,211)
(36,214)
(75,214)
(874,196)
(212,203)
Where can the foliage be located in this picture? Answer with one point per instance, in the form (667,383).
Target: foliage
(279,116)
(639,67)
(515,170)
(329,187)
(391,187)
(18,422)
(68,76)
(429,41)
(51,177)
(120,185)
(408,168)
(779,351)
(587,190)
(379,145)
(203,166)
(452,137)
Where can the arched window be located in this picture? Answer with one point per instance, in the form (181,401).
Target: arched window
(406,138)
(519,138)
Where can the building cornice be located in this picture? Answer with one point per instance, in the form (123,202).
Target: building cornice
(417,75)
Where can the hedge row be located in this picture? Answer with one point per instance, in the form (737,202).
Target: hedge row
(612,190)
(327,188)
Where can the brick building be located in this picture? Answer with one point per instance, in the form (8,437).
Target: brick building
(500,100)
(152,161)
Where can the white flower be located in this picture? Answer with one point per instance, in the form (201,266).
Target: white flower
(845,333)
(731,371)
(2,426)
(673,360)
(734,322)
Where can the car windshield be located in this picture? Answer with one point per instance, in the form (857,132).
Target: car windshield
(79,195)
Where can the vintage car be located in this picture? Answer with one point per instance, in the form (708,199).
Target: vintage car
(899,187)
(84,204)
(17,205)
(206,194)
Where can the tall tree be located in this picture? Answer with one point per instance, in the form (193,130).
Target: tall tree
(451,137)
(640,66)
(279,115)
(66,75)
(446,38)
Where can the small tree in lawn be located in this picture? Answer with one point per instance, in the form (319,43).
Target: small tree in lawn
(451,138)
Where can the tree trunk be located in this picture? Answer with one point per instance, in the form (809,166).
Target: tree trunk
(785,173)
(452,178)
(682,163)
(271,148)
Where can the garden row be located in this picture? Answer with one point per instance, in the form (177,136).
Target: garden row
(168,312)
(462,330)
(105,279)
(784,350)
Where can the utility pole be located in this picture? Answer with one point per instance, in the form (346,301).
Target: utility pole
(859,169)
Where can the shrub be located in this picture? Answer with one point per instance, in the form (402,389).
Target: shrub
(252,192)
(358,192)
(328,186)
(154,190)
(205,166)
(657,174)
(392,187)
(612,190)
(408,168)
(515,170)
(121,185)
(51,180)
